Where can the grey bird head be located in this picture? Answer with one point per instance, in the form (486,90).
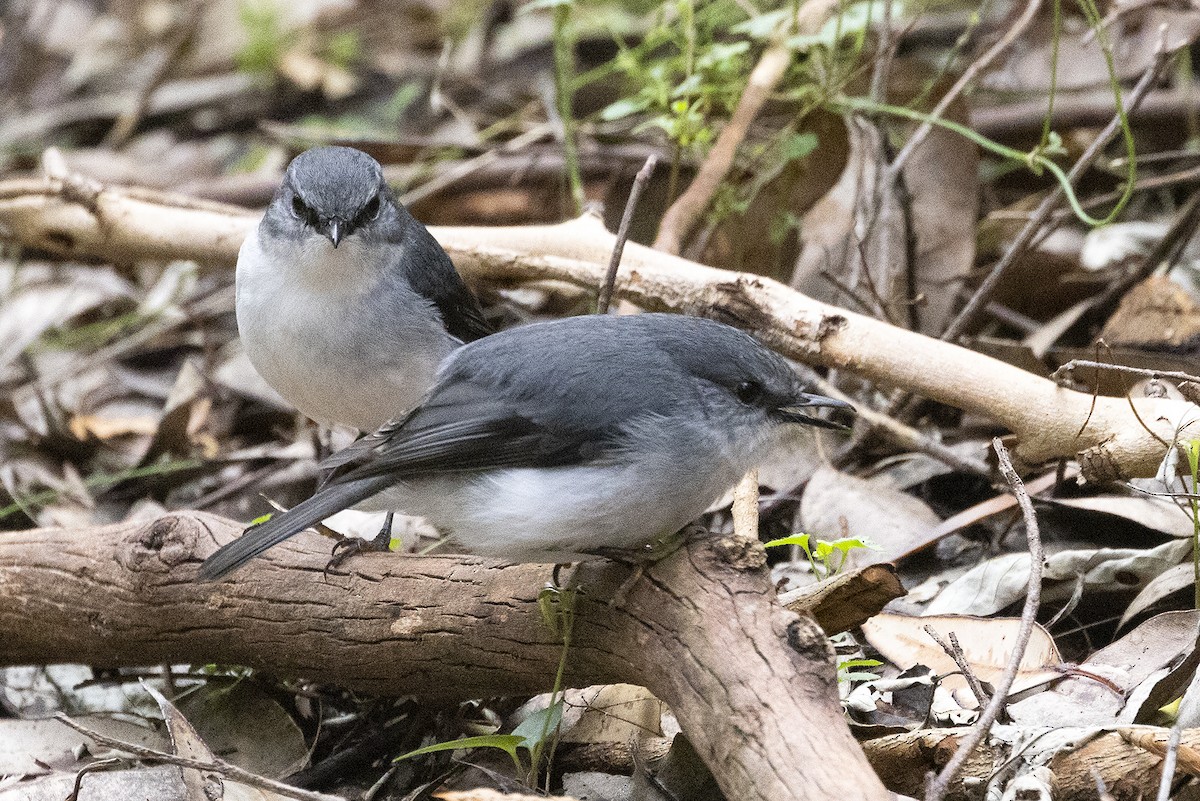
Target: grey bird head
(334,192)
(743,373)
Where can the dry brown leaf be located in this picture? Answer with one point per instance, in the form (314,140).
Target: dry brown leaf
(1124,682)
(892,520)
(986,642)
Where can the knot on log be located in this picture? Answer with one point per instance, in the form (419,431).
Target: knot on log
(736,306)
(165,543)
(741,553)
(830,324)
(1097,466)
(808,640)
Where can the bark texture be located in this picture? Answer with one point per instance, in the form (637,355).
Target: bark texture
(751,683)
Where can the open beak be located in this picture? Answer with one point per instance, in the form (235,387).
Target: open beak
(801,408)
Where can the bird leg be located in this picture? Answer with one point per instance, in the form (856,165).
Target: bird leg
(347,547)
(642,559)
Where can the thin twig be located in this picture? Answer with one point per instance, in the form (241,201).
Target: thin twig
(462,169)
(1167,251)
(906,436)
(955,652)
(161,60)
(1168,763)
(216,766)
(885,51)
(685,213)
(635,193)
(1185,718)
(91,767)
(938,787)
(966,79)
(1077,364)
(1023,239)
(745,506)
(887,194)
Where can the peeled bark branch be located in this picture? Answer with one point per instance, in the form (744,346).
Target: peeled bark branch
(752,684)
(1050,422)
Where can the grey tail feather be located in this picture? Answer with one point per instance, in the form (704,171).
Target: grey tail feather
(257,539)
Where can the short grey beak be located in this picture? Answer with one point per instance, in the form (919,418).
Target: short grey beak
(798,411)
(335,231)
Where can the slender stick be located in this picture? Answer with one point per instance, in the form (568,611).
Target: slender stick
(635,194)
(1078,364)
(954,650)
(216,766)
(966,79)
(1023,240)
(939,786)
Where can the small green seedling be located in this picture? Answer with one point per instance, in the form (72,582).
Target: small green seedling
(846,670)
(827,557)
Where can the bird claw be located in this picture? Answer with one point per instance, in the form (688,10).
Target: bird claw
(642,559)
(347,547)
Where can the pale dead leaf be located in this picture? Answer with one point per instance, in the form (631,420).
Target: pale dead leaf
(890,519)
(1137,674)
(986,642)
(248,727)
(1160,514)
(28,746)
(992,585)
(1171,581)
(614,713)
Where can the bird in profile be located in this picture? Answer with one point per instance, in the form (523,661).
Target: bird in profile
(346,304)
(568,438)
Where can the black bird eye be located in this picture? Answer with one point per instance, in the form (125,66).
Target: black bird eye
(299,208)
(749,392)
(371,210)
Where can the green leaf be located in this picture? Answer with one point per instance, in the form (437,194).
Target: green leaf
(537,5)
(847,544)
(849,663)
(624,107)
(546,601)
(764,25)
(538,726)
(794,539)
(797,146)
(508,743)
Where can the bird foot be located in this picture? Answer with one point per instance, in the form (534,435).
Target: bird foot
(347,547)
(642,559)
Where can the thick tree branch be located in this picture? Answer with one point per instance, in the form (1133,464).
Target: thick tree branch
(752,684)
(1050,422)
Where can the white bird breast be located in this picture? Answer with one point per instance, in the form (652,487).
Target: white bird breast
(315,328)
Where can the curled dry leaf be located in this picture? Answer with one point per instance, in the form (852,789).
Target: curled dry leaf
(1180,577)
(1124,682)
(995,584)
(1159,514)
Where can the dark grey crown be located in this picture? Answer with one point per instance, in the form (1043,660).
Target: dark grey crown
(335,181)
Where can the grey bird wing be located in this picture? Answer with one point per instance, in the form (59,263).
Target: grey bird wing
(544,395)
(436,280)
(443,438)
